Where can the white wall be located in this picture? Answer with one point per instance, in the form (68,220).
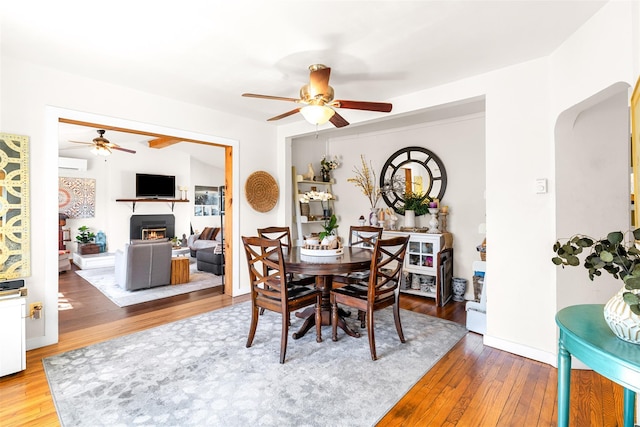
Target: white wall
(30,94)
(592,186)
(460,144)
(115,179)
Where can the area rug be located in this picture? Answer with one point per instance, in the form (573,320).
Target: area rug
(104,280)
(198,372)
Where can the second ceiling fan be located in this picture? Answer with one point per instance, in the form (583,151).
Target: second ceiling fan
(102,146)
(318,103)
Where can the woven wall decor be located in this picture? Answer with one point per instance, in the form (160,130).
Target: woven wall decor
(261,190)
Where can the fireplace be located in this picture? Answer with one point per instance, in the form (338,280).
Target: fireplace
(154,233)
(149,227)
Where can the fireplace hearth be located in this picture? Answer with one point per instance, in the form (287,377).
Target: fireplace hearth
(151,226)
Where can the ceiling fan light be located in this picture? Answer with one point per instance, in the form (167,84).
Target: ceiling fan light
(317,114)
(100,151)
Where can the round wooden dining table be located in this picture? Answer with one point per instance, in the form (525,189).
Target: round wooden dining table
(324,268)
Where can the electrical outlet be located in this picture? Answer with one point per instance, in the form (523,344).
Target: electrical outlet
(35,310)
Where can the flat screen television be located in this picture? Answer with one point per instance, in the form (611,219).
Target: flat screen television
(151,186)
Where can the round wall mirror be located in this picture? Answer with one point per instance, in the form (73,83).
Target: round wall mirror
(413,169)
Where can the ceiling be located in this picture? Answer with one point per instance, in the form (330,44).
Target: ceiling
(209,52)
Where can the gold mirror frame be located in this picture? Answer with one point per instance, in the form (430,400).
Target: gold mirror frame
(635,151)
(15,248)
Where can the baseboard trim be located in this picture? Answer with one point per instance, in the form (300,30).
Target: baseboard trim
(521,350)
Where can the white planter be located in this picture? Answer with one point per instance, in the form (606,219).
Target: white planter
(622,321)
(409,219)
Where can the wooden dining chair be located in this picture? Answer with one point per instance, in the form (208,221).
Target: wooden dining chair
(270,290)
(380,291)
(360,236)
(283,234)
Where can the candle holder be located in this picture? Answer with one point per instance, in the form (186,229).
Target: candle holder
(442,217)
(433,222)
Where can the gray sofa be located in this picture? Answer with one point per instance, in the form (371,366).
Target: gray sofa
(143,264)
(210,260)
(198,241)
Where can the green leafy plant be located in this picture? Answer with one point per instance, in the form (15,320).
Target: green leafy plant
(85,236)
(613,254)
(417,202)
(328,227)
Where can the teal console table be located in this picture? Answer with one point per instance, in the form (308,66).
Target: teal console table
(585,335)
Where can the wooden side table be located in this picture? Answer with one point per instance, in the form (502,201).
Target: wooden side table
(179,270)
(585,335)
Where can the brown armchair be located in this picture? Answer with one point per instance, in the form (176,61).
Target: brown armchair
(270,290)
(380,291)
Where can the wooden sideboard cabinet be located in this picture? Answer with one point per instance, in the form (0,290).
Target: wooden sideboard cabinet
(428,265)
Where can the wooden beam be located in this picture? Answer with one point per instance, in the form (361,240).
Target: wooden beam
(163,142)
(137,132)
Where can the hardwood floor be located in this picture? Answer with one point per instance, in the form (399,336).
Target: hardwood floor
(472,385)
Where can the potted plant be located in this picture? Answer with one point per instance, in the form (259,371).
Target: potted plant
(85,240)
(326,166)
(328,229)
(417,202)
(619,258)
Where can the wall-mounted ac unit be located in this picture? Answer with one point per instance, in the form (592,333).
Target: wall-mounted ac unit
(71,163)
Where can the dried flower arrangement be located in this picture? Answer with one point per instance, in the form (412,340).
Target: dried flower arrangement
(365,179)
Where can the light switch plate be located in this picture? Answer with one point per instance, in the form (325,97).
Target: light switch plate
(541,186)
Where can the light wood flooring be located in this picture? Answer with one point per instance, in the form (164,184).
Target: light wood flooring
(473,385)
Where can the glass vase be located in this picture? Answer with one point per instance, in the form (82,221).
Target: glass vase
(373,217)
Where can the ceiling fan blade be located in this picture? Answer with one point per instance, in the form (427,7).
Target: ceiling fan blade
(82,142)
(277,98)
(283,115)
(319,81)
(338,121)
(124,149)
(383,107)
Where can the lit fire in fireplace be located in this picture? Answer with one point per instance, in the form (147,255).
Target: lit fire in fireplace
(154,233)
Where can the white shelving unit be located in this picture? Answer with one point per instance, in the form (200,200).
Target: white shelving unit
(314,222)
(429,258)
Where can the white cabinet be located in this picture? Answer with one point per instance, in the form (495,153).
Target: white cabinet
(428,265)
(13,353)
(313,221)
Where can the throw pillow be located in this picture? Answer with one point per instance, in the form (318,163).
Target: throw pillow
(209,233)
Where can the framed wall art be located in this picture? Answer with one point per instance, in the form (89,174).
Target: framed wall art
(206,201)
(77,197)
(15,251)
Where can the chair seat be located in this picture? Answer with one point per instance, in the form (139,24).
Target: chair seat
(300,291)
(354,290)
(355,277)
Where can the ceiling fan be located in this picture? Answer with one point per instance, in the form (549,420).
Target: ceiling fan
(318,103)
(102,146)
